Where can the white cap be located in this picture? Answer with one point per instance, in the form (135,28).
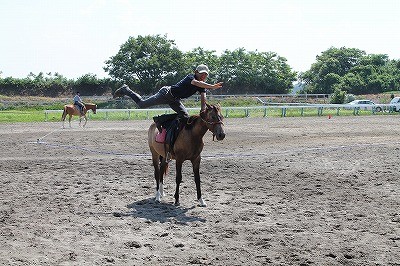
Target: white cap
(202,69)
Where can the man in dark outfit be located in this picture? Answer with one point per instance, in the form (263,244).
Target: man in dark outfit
(79,103)
(172,95)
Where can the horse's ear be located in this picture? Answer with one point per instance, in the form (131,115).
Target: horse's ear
(208,106)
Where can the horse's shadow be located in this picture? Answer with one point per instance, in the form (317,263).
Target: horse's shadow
(160,212)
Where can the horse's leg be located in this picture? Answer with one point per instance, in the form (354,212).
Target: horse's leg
(178,180)
(63,117)
(196,172)
(69,120)
(85,120)
(156,165)
(163,172)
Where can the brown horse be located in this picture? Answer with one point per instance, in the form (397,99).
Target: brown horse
(188,146)
(71,110)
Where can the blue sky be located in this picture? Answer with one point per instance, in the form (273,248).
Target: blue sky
(76,37)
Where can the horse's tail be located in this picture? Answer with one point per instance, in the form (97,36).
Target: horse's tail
(64,114)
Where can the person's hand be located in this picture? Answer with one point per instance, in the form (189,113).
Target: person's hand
(218,85)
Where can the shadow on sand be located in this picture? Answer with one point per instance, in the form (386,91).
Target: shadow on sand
(160,212)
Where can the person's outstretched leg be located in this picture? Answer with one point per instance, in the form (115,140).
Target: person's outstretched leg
(161,97)
(125,90)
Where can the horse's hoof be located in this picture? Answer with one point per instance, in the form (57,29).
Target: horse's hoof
(202,203)
(158,197)
(161,190)
(177,203)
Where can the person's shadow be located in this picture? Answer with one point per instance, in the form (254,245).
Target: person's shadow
(160,212)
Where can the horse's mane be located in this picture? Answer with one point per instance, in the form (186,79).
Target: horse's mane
(191,121)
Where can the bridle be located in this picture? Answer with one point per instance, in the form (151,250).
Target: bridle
(211,123)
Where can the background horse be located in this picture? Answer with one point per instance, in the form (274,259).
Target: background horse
(71,110)
(188,146)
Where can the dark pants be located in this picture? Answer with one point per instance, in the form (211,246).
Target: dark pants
(80,106)
(164,96)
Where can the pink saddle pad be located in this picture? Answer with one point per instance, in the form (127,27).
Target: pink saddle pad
(160,137)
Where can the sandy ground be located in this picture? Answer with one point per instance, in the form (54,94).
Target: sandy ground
(280,191)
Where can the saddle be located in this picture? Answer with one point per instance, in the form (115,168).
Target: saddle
(169,126)
(77,107)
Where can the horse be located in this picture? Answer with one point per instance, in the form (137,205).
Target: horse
(71,110)
(188,146)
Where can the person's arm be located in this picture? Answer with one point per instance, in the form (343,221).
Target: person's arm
(205,85)
(202,101)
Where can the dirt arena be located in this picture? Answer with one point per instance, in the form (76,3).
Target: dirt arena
(280,191)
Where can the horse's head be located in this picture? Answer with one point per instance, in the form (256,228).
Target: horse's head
(91,106)
(213,117)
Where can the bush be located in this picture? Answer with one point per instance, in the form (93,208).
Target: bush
(338,96)
(350,98)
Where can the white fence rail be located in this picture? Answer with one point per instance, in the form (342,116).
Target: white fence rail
(319,109)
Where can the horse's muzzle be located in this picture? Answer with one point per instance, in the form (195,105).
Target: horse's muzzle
(219,132)
(220,136)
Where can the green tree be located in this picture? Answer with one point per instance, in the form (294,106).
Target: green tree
(234,71)
(89,84)
(199,56)
(352,70)
(329,66)
(255,72)
(392,71)
(149,62)
(146,62)
(353,83)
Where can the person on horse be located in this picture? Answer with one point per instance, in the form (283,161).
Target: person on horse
(172,95)
(79,103)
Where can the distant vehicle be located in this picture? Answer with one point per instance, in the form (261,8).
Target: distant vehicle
(396,103)
(366,105)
